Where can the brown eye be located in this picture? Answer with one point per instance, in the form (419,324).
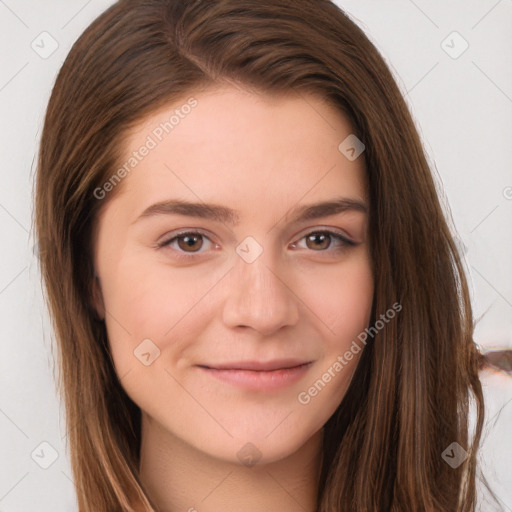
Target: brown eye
(187,243)
(190,242)
(324,241)
(318,240)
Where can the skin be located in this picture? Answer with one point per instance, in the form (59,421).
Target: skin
(262,156)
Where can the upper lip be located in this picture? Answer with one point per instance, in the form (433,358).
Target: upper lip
(277,364)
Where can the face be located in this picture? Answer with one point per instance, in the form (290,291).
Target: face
(230,304)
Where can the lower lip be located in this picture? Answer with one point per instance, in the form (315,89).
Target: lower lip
(260,380)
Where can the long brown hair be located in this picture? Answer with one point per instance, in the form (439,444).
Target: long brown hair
(410,396)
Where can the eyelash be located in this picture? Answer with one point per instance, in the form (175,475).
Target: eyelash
(342,241)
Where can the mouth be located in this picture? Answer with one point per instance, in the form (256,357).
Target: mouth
(259,376)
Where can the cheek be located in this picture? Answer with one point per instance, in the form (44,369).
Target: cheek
(342,298)
(152,301)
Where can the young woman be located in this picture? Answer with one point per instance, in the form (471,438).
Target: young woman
(258,301)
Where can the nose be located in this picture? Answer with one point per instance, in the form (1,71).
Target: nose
(258,296)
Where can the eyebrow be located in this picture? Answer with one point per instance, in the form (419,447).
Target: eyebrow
(228,216)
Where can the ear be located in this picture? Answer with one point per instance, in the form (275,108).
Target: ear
(97,298)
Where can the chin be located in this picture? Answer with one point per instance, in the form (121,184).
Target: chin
(256,447)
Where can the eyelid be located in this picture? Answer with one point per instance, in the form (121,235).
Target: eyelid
(168,237)
(171,237)
(325,229)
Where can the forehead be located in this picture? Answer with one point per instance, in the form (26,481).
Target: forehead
(225,145)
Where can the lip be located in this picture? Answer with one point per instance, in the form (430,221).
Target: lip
(276,364)
(259,376)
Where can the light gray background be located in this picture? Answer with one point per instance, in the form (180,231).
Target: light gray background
(462,107)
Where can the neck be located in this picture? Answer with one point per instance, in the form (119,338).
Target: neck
(178,477)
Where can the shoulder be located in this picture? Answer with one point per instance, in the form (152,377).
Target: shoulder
(495,456)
